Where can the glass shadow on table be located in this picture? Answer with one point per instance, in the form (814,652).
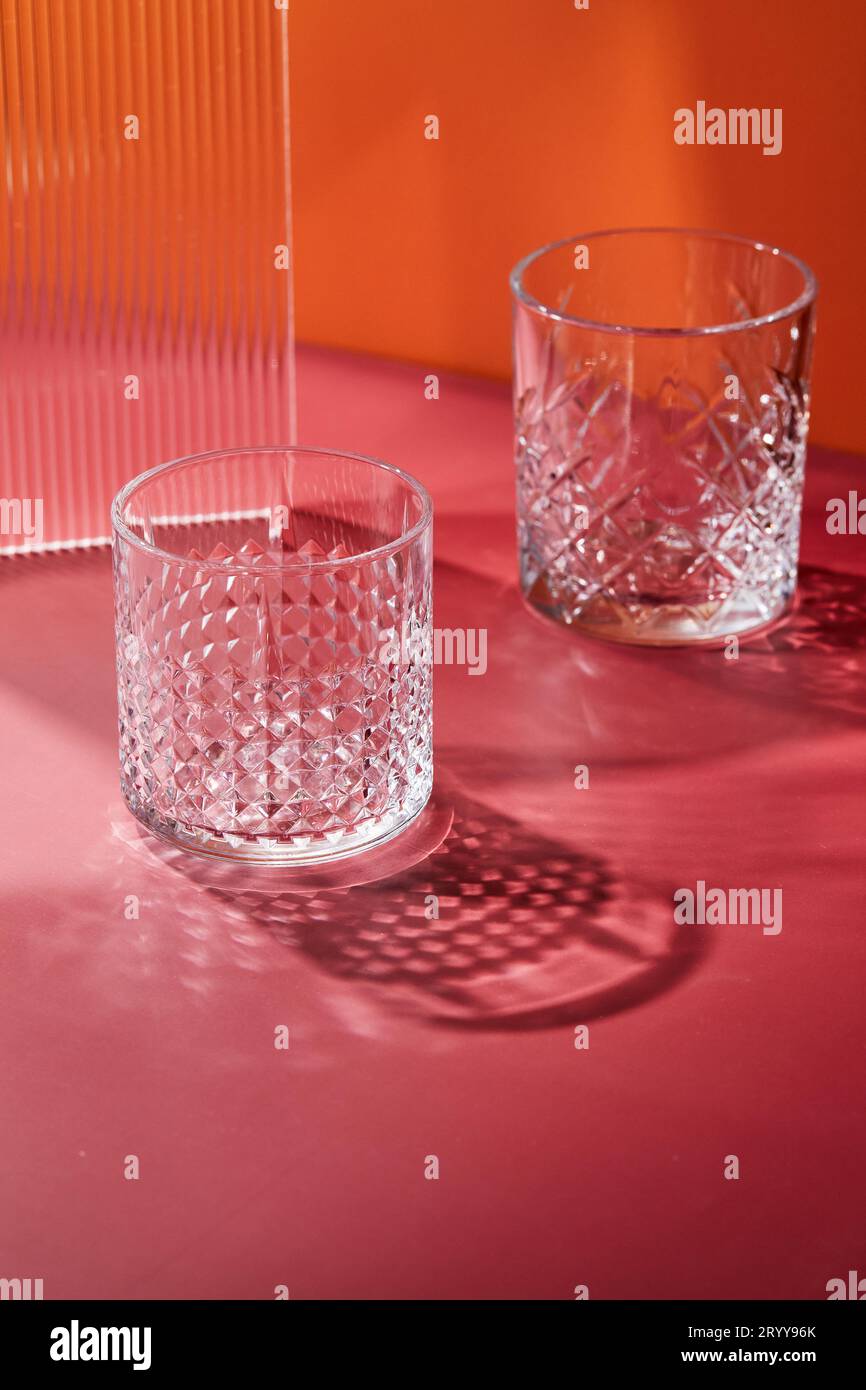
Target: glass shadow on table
(493,926)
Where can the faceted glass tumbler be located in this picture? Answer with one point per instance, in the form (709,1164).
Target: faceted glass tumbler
(661,409)
(273,624)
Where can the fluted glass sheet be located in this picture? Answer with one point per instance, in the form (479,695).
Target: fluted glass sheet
(145,268)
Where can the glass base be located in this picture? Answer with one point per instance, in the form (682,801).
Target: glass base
(298,851)
(658,624)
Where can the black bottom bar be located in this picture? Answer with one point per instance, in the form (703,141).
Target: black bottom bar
(161,1339)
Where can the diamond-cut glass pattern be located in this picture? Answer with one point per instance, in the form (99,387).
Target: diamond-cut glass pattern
(278,710)
(660,478)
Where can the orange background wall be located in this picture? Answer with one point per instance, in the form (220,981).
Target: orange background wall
(556,121)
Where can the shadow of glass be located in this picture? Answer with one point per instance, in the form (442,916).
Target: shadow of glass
(496,926)
(821,649)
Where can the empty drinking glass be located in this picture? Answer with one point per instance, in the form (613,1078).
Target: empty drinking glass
(661,411)
(273,611)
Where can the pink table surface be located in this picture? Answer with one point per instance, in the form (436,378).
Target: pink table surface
(408,1038)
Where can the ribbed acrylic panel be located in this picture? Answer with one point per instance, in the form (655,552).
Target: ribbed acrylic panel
(145,286)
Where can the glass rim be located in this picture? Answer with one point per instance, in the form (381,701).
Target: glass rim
(522,295)
(124,532)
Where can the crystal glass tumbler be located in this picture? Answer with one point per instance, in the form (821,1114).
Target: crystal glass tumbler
(661,409)
(273,620)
